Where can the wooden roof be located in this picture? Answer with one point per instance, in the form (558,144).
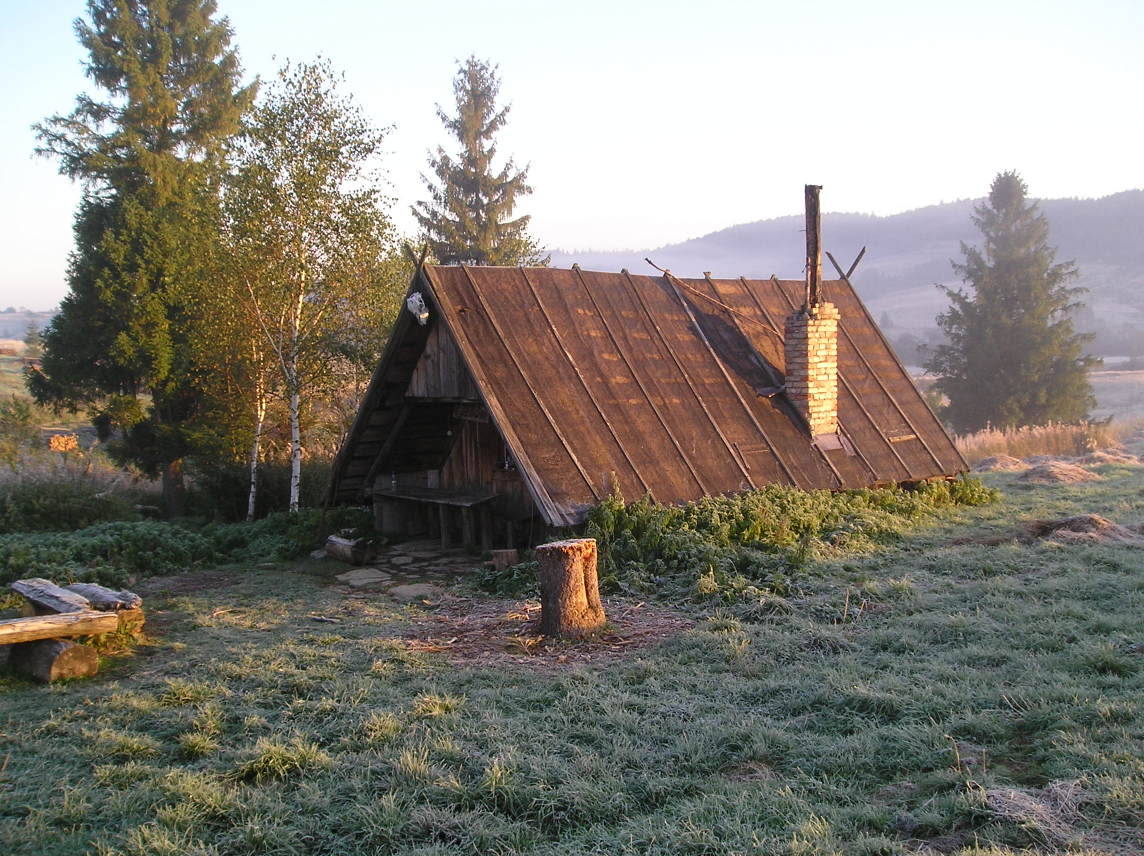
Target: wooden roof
(664,385)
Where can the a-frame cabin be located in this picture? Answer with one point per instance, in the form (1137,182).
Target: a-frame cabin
(510,400)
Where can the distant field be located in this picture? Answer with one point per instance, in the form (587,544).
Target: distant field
(11,374)
(1119,394)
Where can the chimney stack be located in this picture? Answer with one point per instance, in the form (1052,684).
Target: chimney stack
(811,339)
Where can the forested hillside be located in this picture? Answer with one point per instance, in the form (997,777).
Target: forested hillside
(907,253)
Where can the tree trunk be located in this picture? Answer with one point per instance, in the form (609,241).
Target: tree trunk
(51,659)
(32,628)
(295,447)
(505,559)
(255,452)
(569,588)
(174,489)
(47,597)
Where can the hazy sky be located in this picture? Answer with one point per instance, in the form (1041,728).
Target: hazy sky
(647,123)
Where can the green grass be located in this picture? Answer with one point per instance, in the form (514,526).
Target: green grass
(889,700)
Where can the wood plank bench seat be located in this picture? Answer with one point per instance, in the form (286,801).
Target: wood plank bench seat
(35,645)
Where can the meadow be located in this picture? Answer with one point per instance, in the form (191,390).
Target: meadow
(964,687)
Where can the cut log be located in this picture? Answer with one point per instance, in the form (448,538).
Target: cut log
(353,551)
(54,626)
(131,620)
(105,599)
(51,659)
(47,597)
(503,559)
(570,603)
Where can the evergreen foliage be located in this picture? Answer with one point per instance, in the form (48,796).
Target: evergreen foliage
(749,545)
(468,216)
(1012,356)
(147,155)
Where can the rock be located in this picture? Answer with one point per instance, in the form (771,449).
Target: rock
(401,560)
(359,577)
(416,591)
(320,553)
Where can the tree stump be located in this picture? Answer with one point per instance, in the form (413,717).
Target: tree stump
(504,559)
(569,588)
(51,659)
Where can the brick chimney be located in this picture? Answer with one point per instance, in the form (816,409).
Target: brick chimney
(811,339)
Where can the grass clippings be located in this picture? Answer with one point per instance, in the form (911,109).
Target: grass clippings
(1109,456)
(493,631)
(999,463)
(1086,529)
(1058,472)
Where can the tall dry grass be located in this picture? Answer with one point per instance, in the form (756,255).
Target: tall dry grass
(44,490)
(1052,439)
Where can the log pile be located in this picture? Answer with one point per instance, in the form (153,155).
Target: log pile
(37,645)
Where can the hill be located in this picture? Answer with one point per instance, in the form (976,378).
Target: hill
(907,253)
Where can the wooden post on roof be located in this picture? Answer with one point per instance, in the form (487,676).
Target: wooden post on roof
(570,603)
(810,339)
(813,245)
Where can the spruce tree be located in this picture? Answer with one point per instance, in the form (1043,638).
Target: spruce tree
(147,155)
(1012,357)
(468,216)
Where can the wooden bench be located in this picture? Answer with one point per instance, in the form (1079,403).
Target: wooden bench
(37,644)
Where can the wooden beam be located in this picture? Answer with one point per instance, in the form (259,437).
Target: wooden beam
(813,244)
(46,596)
(36,627)
(103,598)
(387,446)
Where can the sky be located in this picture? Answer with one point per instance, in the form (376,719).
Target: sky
(647,123)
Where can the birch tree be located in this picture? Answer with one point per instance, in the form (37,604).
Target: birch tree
(305,221)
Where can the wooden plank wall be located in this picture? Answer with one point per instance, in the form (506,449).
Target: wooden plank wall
(441,373)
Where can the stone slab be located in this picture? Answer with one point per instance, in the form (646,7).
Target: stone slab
(411,592)
(364,577)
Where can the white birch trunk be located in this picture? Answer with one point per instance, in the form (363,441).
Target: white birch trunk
(255,453)
(295,446)
(294,384)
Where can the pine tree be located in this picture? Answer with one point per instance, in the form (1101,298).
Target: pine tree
(147,156)
(1012,356)
(468,216)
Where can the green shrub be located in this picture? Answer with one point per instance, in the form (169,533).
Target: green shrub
(115,552)
(752,543)
(518,580)
(108,552)
(59,504)
(285,535)
(220,491)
